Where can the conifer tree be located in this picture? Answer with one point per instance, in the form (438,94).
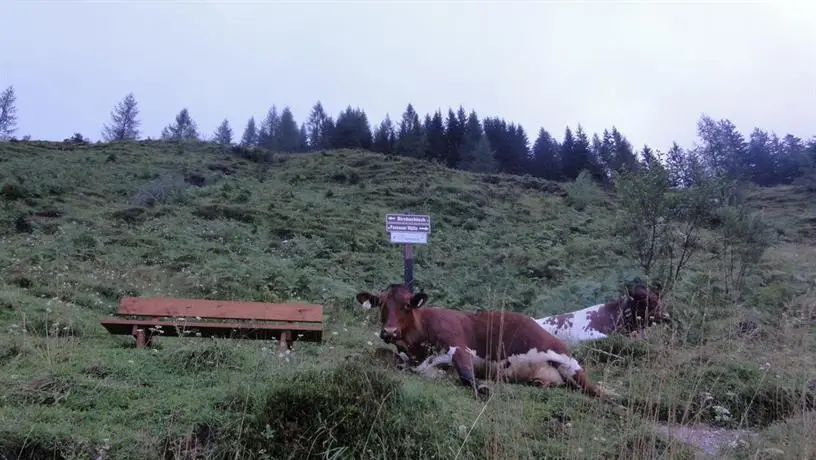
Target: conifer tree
(184,128)
(124,121)
(223,134)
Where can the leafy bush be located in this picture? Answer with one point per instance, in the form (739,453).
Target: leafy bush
(663,226)
(743,238)
(727,395)
(583,192)
(352,411)
(162,190)
(204,355)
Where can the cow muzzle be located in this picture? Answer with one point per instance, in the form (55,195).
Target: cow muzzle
(389,334)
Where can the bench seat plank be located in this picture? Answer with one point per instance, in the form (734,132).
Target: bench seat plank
(219,309)
(310,333)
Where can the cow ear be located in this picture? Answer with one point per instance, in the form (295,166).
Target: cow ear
(367,300)
(419,299)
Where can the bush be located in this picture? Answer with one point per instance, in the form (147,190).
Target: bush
(583,192)
(353,411)
(744,237)
(662,226)
(203,355)
(21,445)
(12,191)
(616,350)
(160,191)
(729,395)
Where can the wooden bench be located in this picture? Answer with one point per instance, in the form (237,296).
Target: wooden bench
(197,317)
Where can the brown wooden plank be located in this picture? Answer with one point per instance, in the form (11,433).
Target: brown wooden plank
(301,332)
(219,309)
(192,324)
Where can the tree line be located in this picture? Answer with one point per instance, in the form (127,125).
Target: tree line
(463,140)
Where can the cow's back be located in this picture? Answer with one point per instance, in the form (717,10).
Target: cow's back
(510,333)
(444,327)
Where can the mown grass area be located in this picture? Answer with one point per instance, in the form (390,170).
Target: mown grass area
(83,225)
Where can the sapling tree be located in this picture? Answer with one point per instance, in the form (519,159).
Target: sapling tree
(8,113)
(743,237)
(223,134)
(184,128)
(124,121)
(661,224)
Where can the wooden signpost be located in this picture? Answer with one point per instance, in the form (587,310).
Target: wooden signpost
(408,229)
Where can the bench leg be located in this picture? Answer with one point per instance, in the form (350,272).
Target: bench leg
(285,342)
(142,340)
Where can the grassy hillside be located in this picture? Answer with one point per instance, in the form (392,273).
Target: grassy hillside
(83,225)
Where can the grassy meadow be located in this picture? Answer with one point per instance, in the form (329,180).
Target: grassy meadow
(83,225)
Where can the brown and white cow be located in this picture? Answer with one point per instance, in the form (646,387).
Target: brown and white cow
(638,308)
(498,345)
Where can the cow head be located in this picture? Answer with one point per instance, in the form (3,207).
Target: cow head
(644,305)
(397,304)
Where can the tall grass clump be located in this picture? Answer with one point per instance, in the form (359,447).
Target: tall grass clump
(351,411)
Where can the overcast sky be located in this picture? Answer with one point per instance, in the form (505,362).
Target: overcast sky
(649,69)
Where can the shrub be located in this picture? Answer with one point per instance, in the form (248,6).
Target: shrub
(726,394)
(583,192)
(662,226)
(198,357)
(11,191)
(160,191)
(352,410)
(744,236)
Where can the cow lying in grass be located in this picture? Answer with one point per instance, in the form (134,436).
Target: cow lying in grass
(498,345)
(637,309)
(624,315)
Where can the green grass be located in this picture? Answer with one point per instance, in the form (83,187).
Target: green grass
(80,228)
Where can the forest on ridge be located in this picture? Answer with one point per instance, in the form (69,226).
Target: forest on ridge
(461,139)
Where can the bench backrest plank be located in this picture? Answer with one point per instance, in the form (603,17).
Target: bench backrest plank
(220,309)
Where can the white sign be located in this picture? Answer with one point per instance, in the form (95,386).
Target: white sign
(409,237)
(389,227)
(416,220)
(408,228)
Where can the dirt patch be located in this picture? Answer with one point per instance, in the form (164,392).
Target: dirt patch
(708,440)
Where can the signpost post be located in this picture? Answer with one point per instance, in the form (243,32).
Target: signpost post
(408,229)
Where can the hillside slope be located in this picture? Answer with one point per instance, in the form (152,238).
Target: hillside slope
(83,225)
